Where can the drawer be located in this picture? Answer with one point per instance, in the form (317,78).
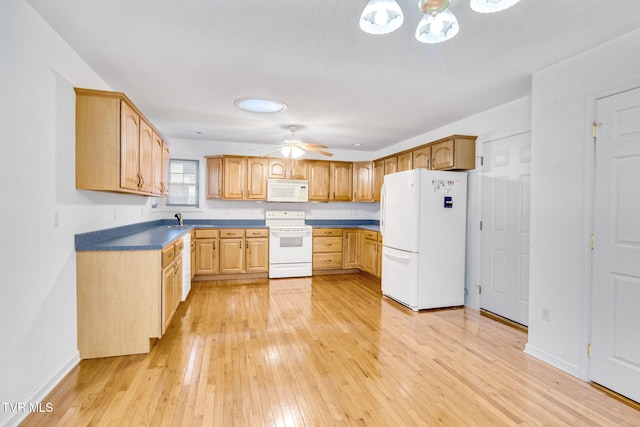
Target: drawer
(327,244)
(206,233)
(368,234)
(327,232)
(178,246)
(256,232)
(168,255)
(332,260)
(231,233)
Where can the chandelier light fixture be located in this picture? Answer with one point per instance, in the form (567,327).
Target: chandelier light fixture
(437,25)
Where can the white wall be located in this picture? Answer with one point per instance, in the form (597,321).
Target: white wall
(37,113)
(562,100)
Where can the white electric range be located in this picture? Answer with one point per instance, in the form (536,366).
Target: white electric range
(290,244)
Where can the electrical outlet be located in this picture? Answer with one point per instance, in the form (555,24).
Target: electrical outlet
(546,314)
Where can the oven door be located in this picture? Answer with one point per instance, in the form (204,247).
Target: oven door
(290,245)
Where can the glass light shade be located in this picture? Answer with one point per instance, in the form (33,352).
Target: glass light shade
(292,151)
(490,6)
(437,28)
(260,105)
(381,17)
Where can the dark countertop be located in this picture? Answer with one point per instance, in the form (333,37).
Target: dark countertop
(154,235)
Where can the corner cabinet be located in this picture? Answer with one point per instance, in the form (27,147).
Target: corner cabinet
(126,299)
(117,149)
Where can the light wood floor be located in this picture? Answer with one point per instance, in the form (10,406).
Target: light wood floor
(326,351)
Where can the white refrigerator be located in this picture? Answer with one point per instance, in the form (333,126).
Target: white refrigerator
(423,217)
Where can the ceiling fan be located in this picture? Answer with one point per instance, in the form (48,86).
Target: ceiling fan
(293,147)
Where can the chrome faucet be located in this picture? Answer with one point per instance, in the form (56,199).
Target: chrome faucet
(179,217)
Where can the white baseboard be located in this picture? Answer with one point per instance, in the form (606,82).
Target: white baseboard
(553,361)
(42,392)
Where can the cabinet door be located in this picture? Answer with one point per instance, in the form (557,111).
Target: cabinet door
(129,147)
(257,171)
(214,177)
(232,255)
(168,289)
(257,255)
(165,167)
(299,169)
(363,182)
(422,158)
(390,165)
(378,178)
(350,249)
(405,162)
(369,256)
(341,187)
(145,157)
(442,155)
(157,165)
(319,180)
(207,256)
(235,177)
(177,284)
(278,168)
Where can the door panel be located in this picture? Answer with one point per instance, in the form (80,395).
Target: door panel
(504,268)
(615,336)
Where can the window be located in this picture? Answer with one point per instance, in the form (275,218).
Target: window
(183,183)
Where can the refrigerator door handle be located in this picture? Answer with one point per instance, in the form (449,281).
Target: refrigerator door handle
(403,258)
(382,209)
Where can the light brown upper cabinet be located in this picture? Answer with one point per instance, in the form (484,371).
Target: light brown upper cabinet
(214,177)
(243,178)
(341,181)
(160,156)
(405,162)
(422,158)
(363,181)
(288,169)
(390,165)
(319,181)
(115,145)
(378,177)
(454,153)
(330,181)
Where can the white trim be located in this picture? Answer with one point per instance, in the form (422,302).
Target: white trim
(43,391)
(552,360)
(589,207)
(480,174)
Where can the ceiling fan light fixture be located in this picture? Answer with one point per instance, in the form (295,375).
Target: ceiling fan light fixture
(292,151)
(437,28)
(260,105)
(490,6)
(381,17)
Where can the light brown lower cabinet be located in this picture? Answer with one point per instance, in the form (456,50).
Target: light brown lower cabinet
(126,299)
(231,251)
(327,248)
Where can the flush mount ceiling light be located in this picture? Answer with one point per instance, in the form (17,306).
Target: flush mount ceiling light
(437,25)
(260,105)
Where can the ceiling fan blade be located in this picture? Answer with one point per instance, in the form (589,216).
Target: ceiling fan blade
(274,151)
(314,145)
(315,150)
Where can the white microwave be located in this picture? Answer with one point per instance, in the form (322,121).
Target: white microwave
(287,190)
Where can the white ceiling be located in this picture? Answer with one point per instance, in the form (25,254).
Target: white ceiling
(183,63)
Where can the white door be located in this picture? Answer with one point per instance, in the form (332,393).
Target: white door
(504,256)
(615,315)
